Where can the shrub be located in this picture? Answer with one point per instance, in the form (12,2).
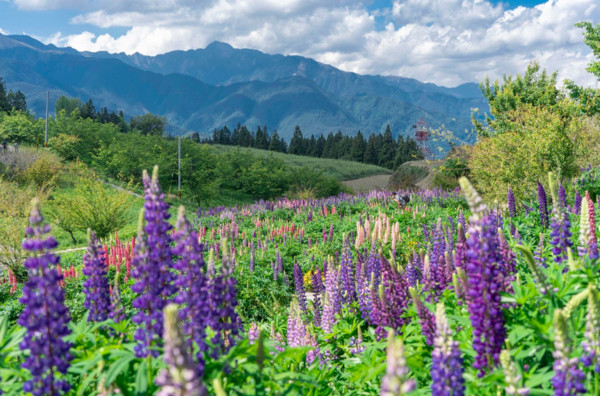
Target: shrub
(65,145)
(407,177)
(541,140)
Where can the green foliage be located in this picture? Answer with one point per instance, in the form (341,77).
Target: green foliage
(542,139)
(446,176)
(21,127)
(591,36)
(533,88)
(590,182)
(407,177)
(65,146)
(148,124)
(93,206)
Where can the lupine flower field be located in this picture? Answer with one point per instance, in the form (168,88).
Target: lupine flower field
(349,295)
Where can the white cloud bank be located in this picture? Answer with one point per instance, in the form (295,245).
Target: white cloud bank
(447,42)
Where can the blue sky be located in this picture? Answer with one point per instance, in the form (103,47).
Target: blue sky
(447,42)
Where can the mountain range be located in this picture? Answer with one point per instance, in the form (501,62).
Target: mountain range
(203,89)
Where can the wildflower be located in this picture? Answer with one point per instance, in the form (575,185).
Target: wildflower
(152,267)
(591,344)
(568,378)
(44,317)
(395,381)
(512,376)
(96,288)
(299,284)
(179,377)
(426,318)
(543,204)
(512,209)
(446,361)
(253,333)
(484,271)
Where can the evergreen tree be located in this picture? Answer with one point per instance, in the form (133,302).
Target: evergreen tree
(261,141)
(310,145)
(371,151)
(329,149)
(408,150)
(88,110)
(297,143)
(359,145)
(4,104)
(16,100)
(275,144)
(387,151)
(319,147)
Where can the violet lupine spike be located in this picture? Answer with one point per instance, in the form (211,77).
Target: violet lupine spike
(483,269)
(461,219)
(116,305)
(561,234)
(318,290)
(395,381)
(222,301)
(577,204)
(152,268)
(332,302)
(373,265)
(179,377)
(446,360)
(509,262)
(539,252)
(436,260)
(347,275)
(299,285)
(251,265)
(568,378)
(562,195)
(426,318)
(253,333)
(460,249)
(95,287)
(512,208)
(543,205)
(192,286)
(396,295)
(591,344)
(413,270)
(45,316)
(296,330)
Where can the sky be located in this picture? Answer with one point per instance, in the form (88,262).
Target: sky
(446,42)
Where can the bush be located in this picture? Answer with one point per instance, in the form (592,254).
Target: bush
(446,176)
(542,140)
(407,177)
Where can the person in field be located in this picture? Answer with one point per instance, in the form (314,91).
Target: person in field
(401,199)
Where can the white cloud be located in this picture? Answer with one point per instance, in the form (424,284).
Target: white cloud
(39,5)
(442,41)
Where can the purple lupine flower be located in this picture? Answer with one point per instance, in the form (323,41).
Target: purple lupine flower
(396,293)
(461,219)
(315,352)
(395,381)
(543,204)
(591,344)
(373,265)
(539,252)
(95,287)
(296,330)
(192,286)
(346,275)
(425,231)
(222,292)
(362,287)
(413,270)
(356,346)
(332,302)
(277,339)
(561,233)
(562,195)
(152,268)
(45,316)
(508,264)
(331,232)
(253,333)
(568,378)
(318,290)
(577,205)
(593,241)
(426,318)
(484,263)
(179,377)
(299,284)
(446,361)
(436,260)
(512,208)
(116,305)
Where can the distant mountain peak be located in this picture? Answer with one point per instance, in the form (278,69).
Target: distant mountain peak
(219,46)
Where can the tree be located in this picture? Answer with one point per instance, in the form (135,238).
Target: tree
(16,101)
(297,143)
(88,110)
(592,39)
(262,139)
(534,87)
(359,145)
(277,144)
(387,152)
(149,124)
(4,104)
(371,151)
(69,105)
(92,205)
(408,150)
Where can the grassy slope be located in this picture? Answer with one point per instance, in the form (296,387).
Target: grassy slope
(340,169)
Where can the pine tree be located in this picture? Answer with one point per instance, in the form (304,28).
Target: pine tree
(359,145)
(387,151)
(4,105)
(371,151)
(297,143)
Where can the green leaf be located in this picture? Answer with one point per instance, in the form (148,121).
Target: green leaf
(141,379)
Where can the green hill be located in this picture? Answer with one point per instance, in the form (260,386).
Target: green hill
(339,169)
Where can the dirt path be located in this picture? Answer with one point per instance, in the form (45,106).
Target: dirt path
(122,189)
(366,184)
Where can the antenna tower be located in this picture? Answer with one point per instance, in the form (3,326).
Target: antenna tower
(422,137)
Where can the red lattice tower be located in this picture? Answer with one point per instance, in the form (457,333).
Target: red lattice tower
(422,136)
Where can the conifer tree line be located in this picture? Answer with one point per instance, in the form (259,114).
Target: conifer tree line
(11,100)
(382,150)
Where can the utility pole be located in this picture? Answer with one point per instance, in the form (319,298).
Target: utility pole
(179,166)
(46,135)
